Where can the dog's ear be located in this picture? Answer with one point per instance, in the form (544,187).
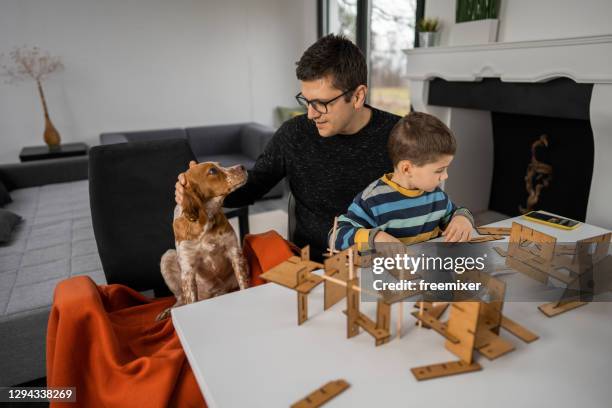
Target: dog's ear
(191,204)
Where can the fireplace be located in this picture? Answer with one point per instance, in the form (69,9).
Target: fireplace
(542,141)
(501,100)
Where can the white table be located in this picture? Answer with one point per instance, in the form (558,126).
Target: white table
(246,350)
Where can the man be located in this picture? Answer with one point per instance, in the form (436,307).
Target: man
(329,155)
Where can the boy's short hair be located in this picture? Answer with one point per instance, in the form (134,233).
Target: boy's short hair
(335,55)
(420,138)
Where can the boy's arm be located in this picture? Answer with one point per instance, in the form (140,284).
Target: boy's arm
(453,211)
(355,226)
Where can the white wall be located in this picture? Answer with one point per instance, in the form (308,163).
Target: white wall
(147,64)
(524,20)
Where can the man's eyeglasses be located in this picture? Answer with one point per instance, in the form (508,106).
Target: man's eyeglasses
(319,106)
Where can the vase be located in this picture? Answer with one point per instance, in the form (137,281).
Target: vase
(428,39)
(51,136)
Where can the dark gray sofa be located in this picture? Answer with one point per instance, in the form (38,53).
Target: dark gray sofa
(53,242)
(56,238)
(231,144)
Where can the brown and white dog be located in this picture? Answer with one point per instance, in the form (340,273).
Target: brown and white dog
(207,261)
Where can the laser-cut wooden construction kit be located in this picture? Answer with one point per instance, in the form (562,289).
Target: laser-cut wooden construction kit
(538,256)
(473,325)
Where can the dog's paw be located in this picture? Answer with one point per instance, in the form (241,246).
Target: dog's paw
(243,283)
(164,315)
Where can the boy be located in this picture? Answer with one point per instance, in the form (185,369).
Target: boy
(408,205)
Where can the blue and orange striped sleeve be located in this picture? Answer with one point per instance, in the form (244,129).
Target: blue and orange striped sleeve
(448,215)
(354,226)
(452,210)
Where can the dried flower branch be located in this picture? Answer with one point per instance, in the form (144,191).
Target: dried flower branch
(31,63)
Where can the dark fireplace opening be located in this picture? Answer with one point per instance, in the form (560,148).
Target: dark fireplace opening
(541,163)
(542,138)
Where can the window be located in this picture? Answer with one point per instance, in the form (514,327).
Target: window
(383,29)
(392,24)
(342,18)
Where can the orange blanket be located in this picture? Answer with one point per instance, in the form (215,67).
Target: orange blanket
(104,341)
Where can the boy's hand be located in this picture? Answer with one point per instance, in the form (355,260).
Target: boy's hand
(382,236)
(179,187)
(458,230)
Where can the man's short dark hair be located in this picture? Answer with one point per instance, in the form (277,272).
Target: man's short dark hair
(420,138)
(335,55)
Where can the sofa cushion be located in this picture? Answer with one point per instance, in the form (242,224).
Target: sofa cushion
(54,241)
(142,136)
(253,139)
(8,222)
(227,160)
(5,197)
(160,134)
(214,140)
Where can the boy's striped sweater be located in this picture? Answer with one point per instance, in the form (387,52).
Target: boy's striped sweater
(409,215)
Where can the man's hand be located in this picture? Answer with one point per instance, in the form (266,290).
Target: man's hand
(458,230)
(179,187)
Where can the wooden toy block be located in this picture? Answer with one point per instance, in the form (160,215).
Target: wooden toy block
(531,260)
(336,266)
(400,319)
(309,283)
(518,330)
(395,296)
(383,315)
(434,309)
(491,311)
(295,273)
(493,230)
(602,244)
(492,346)
(381,336)
(460,334)
(485,238)
(501,251)
(444,369)
(305,253)
(436,325)
(473,325)
(352,302)
(302,308)
(332,250)
(526,269)
(552,309)
(490,318)
(380,329)
(462,324)
(556,271)
(537,255)
(285,274)
(565,249)
(322,395)
(592,274)
(383,322)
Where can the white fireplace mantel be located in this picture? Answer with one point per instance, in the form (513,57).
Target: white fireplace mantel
(582,59)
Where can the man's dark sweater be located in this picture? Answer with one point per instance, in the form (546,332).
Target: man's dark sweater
(324,173)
